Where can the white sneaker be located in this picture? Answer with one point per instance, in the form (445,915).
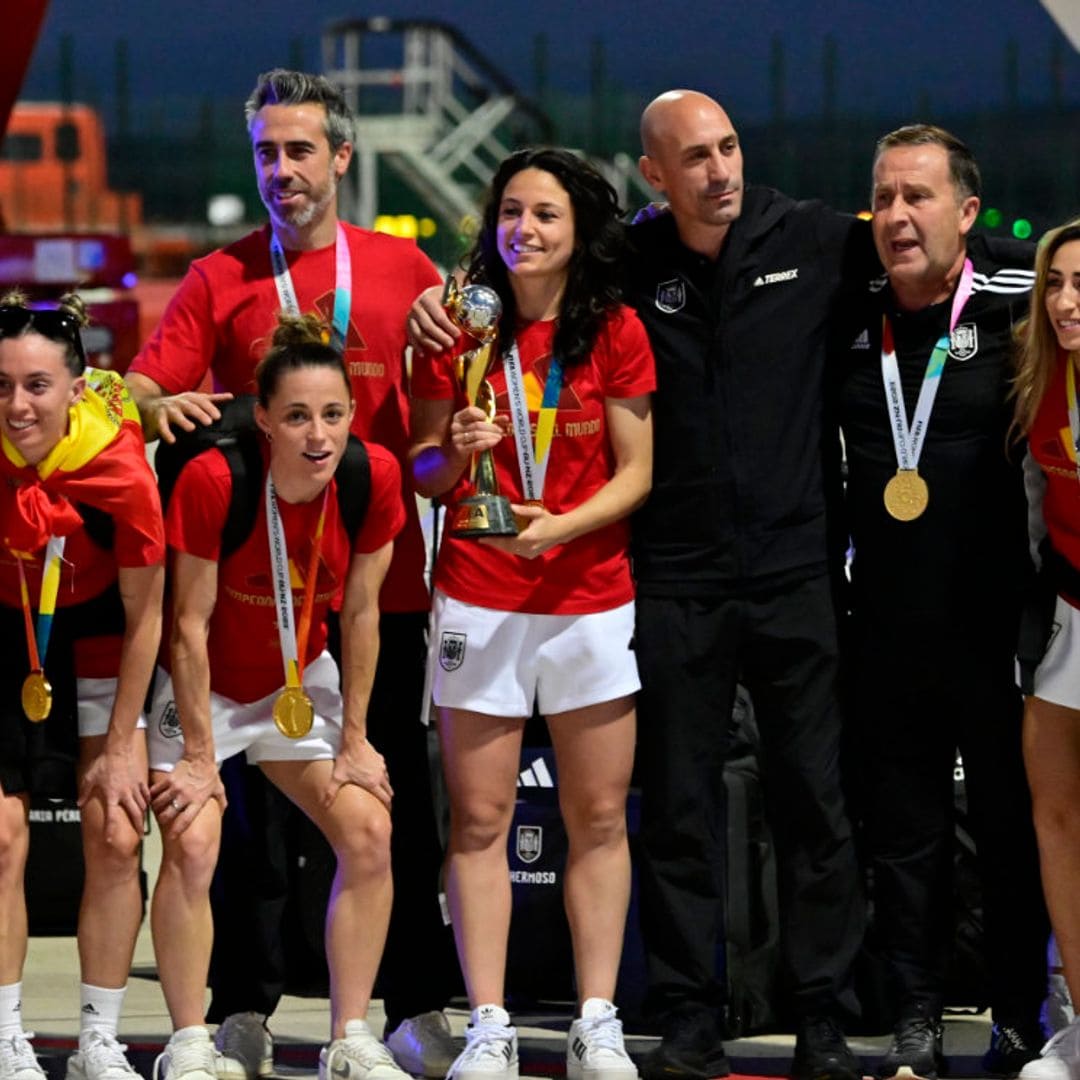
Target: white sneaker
(1060,1057)
(17,1058)
(100,1057)
(423,1045)
(491,1051)
(594,1047)
(190,1058)
(245,1047)
(358,1056)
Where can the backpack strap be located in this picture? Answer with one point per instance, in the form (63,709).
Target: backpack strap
(241,453)
(353,477)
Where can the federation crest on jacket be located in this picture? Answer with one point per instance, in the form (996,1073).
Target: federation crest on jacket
(964,341)
(671,295)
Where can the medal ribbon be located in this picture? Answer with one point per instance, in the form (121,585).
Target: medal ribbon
(37,644)
(907,440)
(532,459)
(293,641)
(339,331)
(1074,413)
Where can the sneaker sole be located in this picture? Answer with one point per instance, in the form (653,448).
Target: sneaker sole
(75,1071)
(235,1070)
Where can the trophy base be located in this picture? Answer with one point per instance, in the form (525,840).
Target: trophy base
(483,515)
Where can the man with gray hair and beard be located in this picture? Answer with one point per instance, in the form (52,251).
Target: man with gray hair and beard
(220,321)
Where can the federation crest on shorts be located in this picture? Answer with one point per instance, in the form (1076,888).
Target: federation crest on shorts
(169,724)
(451,650)
(671,296)
(530,842)
(964,342)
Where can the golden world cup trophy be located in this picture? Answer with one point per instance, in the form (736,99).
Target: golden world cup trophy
(476,310)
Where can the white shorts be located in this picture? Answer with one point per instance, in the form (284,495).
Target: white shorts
(499,662)
(95,698)
(1057,678)
(249,726)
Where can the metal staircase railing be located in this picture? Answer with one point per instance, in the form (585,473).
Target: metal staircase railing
(429,105)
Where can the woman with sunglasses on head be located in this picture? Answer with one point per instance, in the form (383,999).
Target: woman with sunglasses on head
(249,671)
(1047,413)
(546,616)
(81,575)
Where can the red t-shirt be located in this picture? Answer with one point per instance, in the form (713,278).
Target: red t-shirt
(591,573)
(244,648)
(222,319)
(1050,442)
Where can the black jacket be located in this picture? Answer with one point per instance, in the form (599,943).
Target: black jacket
(738,500)
(963,562)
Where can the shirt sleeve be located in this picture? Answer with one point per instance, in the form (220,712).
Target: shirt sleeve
(433,375)
(181,348)
(627,365)
(199,506)
(385,515)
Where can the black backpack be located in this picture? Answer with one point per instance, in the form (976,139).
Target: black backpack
(236,436)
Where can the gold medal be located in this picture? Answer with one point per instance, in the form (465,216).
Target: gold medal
(294,712)
(906,495)
(36,696)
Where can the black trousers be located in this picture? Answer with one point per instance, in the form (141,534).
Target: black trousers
(782,645)
(419,969)
(918,697)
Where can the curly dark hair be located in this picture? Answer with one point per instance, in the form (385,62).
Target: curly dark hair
(593,275)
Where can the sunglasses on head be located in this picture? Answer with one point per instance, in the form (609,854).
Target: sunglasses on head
(49,322)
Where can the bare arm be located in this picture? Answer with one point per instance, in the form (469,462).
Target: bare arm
(114,773)
(629,425)
(443,441)
(160,411)
(358,762)
(195,779)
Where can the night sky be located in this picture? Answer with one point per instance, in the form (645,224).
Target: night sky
(890,54)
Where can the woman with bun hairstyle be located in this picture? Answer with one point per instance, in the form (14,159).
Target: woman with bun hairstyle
(81,575)
(544,618)
(1046,412)
(248,671)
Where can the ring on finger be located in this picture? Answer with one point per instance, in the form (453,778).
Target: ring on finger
(175,804)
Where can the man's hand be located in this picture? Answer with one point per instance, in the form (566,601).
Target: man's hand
(119,780)
(360,764)
(428,326)
(161,414)
(179,797)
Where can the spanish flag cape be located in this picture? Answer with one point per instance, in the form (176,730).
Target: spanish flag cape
(98,462)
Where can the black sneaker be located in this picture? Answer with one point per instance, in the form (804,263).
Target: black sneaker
(689,1050)
(1012,1046)
(916,1049)
(822,1052)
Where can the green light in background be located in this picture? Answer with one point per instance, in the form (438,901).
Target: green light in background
(1021,228)
(992,217)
